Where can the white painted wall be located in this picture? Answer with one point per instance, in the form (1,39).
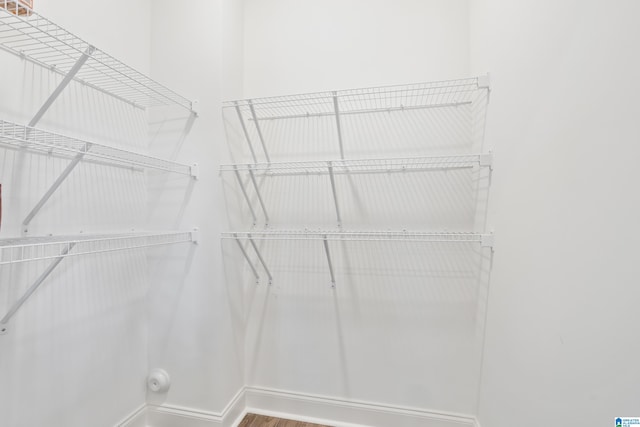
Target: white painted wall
(295,46)
(195,318)
(563,327)
(401,327)
(76,353)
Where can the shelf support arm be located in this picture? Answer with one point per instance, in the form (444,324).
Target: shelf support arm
(16,306)
(54,187)
(337,110)
(255,185)
(246,196)
(246,134)
(246,256)
(255,120)
(326,250)
(63,84)
(264,265)
(335,194)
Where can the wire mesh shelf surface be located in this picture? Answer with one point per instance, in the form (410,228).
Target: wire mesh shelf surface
(42,248)
(449,93)
(364,166)
(461,237)
(39,40)
(37,140)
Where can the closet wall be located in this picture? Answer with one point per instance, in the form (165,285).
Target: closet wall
(401,327)
(563,327)
(76,353)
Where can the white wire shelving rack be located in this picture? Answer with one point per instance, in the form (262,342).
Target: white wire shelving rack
(56,249)
(28,249)
(384,99)
(344,167)
(485,240)
(37,39)
(36,140)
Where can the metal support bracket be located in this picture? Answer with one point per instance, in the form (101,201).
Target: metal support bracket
(257,123)
(16,306)
(54,187)
(486,241)
(195,171)
(63,84)
(244,192)
(326,250)
(195,235)
(337,110)
(255,186)
(484,82)
(486,160)
(195,108)
(335,194)
(264,265)
(246,133)
(246,256)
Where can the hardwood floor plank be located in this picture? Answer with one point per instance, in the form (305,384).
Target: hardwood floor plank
(253,420)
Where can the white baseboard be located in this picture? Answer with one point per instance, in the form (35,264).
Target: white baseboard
(137,418)
(303,407)
(346,413)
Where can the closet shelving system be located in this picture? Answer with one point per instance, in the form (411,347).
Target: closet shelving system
(36,39)
(253,114)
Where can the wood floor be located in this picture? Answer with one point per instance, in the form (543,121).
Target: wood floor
(253,420)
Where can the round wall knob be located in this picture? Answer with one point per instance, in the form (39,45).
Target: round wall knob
(159,381)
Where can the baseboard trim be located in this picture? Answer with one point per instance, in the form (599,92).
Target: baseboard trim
(300,406)
(347,413)
(173,415)
(138,418)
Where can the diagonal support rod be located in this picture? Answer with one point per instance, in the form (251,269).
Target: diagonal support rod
(337,110)
(246,196)
(255,185)
(257,123)
(16,306)
(326,250)
(246,134)
(54,187)
(335,194)
(63,84)
(246,256)
(255,248)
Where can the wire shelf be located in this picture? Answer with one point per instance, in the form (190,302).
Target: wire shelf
(450,93)
(37,140)
(21,250)
(39,40)
(415,164)
(383,236)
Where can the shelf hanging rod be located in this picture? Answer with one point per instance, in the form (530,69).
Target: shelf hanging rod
(364,111)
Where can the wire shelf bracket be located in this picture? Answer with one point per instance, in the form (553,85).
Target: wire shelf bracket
(15,251)
(328,253)
(34,38)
